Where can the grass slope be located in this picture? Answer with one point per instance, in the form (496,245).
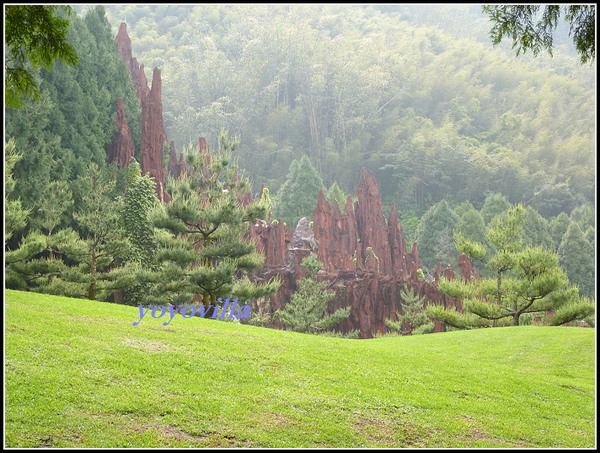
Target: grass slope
(78,374)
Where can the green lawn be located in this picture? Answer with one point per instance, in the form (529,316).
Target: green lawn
(78,374)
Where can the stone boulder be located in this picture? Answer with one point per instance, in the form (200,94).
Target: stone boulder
(303,237)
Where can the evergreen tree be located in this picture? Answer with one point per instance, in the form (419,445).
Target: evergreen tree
(494,204)
(202,250)
(585,216)
(412,315)
(435,235)
(306,309)
(139,199)
(558,227)
(576,256)
(535,284)
(15,217)
(99,250)
(470,222)
(73,119)
(536,230)
(298,196)
(337,194)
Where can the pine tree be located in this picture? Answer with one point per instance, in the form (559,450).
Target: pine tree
(202,249)
(298,196)
(558,227)
(306,309)
(528,280)
(413,315)
(99,250)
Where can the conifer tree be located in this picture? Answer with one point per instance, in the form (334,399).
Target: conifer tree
(528,280)
(435,235)
(298,196)
(306,309)
(99,250)
(15,217)
(576,256)
(139,199)
(412,314)
(202,249)
(494,204)
(337,194)
(558,227)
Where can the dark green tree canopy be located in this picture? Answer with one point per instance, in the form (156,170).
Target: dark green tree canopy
(35,36)
(519,23)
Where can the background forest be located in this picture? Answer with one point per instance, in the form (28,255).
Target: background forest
(453,130)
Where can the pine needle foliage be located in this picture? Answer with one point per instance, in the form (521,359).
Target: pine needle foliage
(201,245)
(305,311)
(528,280)
(413,315)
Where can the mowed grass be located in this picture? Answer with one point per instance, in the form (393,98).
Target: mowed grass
(78,374)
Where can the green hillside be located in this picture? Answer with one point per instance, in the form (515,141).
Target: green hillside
(78,374)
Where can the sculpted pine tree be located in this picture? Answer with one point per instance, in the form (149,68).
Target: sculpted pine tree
(202,249)
(100,248)
(306,309)
(413,315)
(536,283)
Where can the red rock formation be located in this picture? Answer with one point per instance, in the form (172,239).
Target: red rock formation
(121,149)
(138,77)
(464,265)
(372,295)
(370,222)
(153,134)
(153,131)
(272,240)
(336,235)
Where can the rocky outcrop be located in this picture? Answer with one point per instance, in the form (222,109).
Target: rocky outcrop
(365,260)
(154,135)
(370,222)
(138,77)
(121,149)
(272,240)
